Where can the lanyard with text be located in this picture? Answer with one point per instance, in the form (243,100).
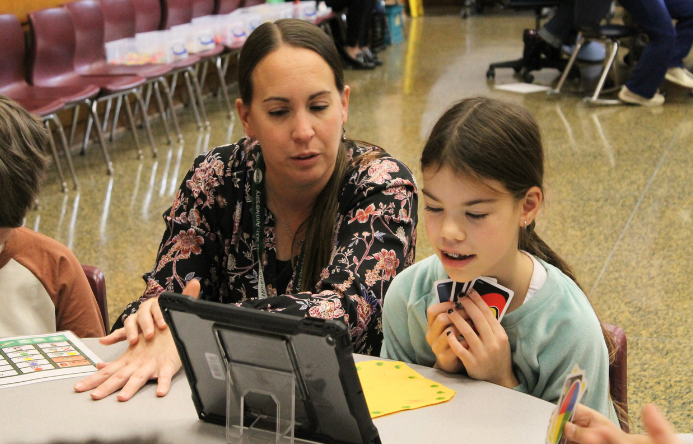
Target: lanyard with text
(258,205)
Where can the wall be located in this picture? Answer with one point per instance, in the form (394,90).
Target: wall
(22,7)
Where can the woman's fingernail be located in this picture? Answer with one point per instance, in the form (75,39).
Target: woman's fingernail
(450,311)
(448,333)
(96,394)
(79,386)
(458,306)
(460,337)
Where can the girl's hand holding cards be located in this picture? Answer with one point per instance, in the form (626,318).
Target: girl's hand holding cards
(439,324)
(486,354)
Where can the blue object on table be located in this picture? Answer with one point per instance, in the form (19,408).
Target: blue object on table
(394,22)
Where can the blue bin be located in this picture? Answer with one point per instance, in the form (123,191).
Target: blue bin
(394,22)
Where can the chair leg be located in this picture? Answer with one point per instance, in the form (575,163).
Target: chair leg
(116,115)
(145,119)
(99,134)
(169,98)
(133,127)
(222,82)
(193,98)
(162,110)
(68,155)
(106,114)
(203,76)
(73,126)
(607,67)
(569,66)
(87,133)
(198,90)
(56,159)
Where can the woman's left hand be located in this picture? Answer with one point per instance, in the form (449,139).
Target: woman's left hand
(487,353)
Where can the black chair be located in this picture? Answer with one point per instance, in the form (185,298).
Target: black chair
(536,54)
(588,17)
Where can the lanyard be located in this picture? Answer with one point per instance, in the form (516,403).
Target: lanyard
(258,204)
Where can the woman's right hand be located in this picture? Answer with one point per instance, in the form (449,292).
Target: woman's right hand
(438,325)
(152,354)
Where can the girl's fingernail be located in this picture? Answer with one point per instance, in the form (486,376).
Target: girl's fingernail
(450,311)
(448,333)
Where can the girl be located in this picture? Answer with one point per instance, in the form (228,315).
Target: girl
(483,168)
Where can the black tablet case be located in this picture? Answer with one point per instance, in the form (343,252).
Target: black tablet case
(330,406)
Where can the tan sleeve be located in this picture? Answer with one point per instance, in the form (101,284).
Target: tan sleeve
(63,278)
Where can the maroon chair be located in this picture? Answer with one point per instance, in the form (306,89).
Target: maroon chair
(202,8)
(180,12)
(41,101)
(148,18)
(247,3)
(618,372)
(90,59)
(97,282)
(52,64)
(227,6)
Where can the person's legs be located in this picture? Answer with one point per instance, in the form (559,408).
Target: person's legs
(653,18)
(682,12)
(557,30)
(355,29)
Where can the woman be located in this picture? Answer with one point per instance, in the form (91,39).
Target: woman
(336,219)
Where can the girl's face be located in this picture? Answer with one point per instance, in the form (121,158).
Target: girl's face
(296,115)
(473,226)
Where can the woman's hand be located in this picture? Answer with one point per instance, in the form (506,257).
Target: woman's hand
(143,320)
(486,355)
(438,324)
(590,427)
(146,358)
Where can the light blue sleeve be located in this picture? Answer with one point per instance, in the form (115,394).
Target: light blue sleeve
(397,342)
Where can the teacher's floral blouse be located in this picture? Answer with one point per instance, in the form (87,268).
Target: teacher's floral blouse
(209,237)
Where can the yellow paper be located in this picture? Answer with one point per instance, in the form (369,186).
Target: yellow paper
(392,386)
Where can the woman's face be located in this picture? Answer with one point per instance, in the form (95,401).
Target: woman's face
(296,115)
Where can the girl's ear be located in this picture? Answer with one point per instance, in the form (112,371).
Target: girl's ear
(244,113)
(531,204)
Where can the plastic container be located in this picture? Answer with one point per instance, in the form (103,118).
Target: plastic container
(120,51)
(233,30)
(306,10)
(197,38)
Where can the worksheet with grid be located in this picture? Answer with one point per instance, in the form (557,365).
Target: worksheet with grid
(32,359)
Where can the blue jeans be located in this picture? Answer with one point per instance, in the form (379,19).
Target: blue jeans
(668,44)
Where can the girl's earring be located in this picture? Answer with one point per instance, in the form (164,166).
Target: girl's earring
(344,139)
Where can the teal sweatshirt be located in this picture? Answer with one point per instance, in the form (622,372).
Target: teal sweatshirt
(549,334)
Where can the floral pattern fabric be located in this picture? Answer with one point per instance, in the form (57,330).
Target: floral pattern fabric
(209,237)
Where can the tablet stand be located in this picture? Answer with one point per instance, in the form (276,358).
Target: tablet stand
(279,386)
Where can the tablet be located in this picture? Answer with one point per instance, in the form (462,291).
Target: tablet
(330,405)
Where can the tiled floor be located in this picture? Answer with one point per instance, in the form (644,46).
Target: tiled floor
(619,205)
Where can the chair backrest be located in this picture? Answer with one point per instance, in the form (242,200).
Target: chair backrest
(252,2)
(202,8)
(176,12)
(618,371)
(53,45)
(147,15)
(118,19)
(11,51)
(87,19)
(227,6)
(97,281)
(590,13)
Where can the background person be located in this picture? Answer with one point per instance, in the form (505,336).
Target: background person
(44,288)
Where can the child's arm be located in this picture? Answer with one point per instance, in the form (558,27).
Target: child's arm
(487,354)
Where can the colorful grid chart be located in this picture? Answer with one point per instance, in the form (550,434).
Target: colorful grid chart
(28,355)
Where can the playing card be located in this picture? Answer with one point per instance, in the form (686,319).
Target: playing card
(495,295)
(460,290)
(444,289)
(573,389)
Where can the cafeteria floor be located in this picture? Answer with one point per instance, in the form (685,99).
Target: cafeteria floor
(619,201)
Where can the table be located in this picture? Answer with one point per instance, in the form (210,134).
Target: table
(50,411)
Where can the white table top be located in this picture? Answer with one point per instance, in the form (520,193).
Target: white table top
(480,413)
